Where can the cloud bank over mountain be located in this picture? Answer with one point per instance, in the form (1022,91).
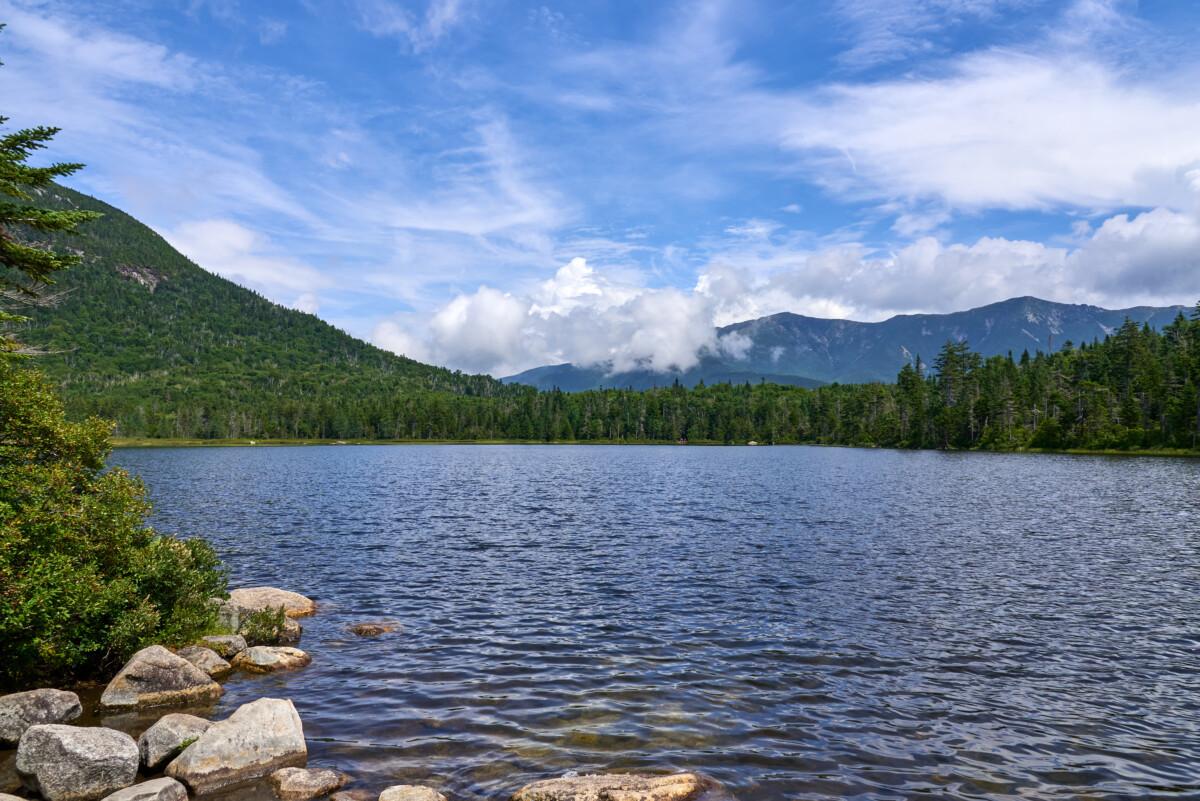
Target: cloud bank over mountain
(492,186)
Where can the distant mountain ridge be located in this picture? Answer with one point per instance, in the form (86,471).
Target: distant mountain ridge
(795,349)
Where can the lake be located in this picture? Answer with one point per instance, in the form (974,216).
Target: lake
(801,623)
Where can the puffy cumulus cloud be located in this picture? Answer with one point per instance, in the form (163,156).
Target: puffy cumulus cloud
(235,252)
(581,316)
(309,303)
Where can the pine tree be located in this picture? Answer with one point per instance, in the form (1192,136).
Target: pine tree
(27,269)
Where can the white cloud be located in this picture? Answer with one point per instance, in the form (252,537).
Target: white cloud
(581,316)
(235,252)
(390,19)
(309,303)
(1004,130)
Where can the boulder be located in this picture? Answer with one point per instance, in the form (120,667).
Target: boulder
(265,659)
(371,629)
(206,659)
(7,797)
(256,740)
(227,646)
(345,795)
(163,789)
(167,738)
(19,711)
(618,787)
(154,677)
(302,784)
(70,763)
(294,604)
(411,792)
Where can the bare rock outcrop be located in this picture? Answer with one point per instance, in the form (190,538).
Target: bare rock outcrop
(619,787)
(227,646)
(294,604)
(19,711)
(71,763)
(267,659)
(302,784)
(206,659)
(155,677)
(163,789)
(255,741)
(410,792)
(167,738)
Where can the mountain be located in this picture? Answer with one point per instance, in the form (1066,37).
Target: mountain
(811,351)
(569,378)
(145,337)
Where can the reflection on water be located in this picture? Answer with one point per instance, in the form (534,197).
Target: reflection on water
(801,623)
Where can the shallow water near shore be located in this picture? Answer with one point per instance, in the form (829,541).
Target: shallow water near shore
(801,623)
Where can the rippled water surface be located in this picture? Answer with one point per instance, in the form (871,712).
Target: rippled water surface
(802,623)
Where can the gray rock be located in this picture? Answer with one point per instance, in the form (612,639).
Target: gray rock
(349,795)
(19,711)
(294,604)
(7,797)
(167,738)
(69,763)
(227,646)
(256,740)
(206,659)
(618,787)
(155,676)
(163,789)
(411,792)
(264,659)
(302,784)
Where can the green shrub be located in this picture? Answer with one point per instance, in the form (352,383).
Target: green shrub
(83,581)
(264,626)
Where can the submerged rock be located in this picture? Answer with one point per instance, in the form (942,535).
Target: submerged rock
(206,659)
(256,740)
(70,763)
(302,784)
(164,789)
(167,738)
(155,677)
(265,659)
(227,646)
(345,795)
(19,711)
(371,629)
(294,604)
(410,792)
(618,787)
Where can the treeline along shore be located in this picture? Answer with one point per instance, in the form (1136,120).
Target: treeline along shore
(1135,390)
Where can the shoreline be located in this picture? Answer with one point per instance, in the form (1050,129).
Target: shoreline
(152,442)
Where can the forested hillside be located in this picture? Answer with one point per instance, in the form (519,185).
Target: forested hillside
(148,339)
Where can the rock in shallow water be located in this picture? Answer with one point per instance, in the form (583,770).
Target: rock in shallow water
(346,795)
(206,659)
(19,711)
(227,646)
(256,740)
(410,792)
(617,787)
(265,659)
(154,677)
(68,763)
(294,604)
(302,784)
(163,789)
(371,629)
(167,738)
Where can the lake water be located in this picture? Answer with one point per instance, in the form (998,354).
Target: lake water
(801,623)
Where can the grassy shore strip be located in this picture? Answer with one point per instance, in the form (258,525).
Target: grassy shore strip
(152,442)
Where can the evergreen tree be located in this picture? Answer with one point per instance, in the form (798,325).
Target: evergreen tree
(27,268)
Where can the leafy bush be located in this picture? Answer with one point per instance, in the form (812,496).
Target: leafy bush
(83,581)
(264,626)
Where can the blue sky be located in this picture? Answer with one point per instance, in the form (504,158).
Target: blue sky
(494,185)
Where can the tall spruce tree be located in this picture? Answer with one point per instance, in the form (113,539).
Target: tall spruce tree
(28,268)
